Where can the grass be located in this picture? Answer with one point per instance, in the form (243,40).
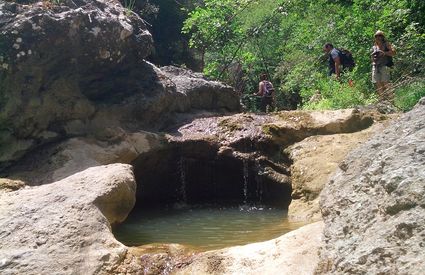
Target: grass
(129,5)
(408,95)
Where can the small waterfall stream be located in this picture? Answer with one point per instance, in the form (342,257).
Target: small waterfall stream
(245,180)
(194,196)
(259,181)
(182,171)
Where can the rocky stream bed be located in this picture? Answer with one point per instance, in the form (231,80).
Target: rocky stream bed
(90,131)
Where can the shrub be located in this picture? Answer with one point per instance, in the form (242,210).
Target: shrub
(408,95)
(329,93)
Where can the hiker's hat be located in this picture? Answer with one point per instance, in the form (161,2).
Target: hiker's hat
(378,33)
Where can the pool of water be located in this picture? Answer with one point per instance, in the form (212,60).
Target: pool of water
(204,228)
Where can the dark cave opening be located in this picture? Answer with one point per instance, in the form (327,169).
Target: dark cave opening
(194,173)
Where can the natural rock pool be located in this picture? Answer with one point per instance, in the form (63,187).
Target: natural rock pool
(194,194)
(204,227)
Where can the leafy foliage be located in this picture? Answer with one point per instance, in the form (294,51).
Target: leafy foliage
(408,95)
(243,38)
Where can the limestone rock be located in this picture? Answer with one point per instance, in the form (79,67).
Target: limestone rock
(77,69)
(294,253)
(55,162)
(55,60)
(284,128)
(294,126)
(65,227)
(374,207)
(255,142)
(11,185)
(315,159)
(201,93)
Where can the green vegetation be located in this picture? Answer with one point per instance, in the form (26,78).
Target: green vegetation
(240,39)
(408,95)
(129,5)
(230,125)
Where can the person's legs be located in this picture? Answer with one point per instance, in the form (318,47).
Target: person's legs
(387,94)
(380,90)
(263,106)
(269,103)
(381,76)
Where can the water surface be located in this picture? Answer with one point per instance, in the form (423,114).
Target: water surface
(204,228)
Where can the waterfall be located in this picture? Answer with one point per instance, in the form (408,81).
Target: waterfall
(259,181)
(182,170)
(245,180)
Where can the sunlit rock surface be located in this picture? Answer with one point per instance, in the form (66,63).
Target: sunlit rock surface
(315,159)
(374,206)
(293,253)
(65,227)
(59,160)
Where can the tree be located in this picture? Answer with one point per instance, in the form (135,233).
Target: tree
(286,39)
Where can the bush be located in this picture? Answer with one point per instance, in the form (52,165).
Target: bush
(407,96)
(285,39)
(332,94)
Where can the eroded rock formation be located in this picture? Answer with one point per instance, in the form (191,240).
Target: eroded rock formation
(293,253)
(76,69)
(76,93)
(374,206)
(228,145)
(314,160)
(65,227)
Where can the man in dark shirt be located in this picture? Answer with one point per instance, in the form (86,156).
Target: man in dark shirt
(334,59)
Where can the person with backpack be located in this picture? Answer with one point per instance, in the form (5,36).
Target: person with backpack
(266,91)
(382,54)
(339,59)
(334,60)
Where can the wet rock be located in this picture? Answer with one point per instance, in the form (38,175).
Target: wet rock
(293,253)
(374,208)
(253,144)
(65,227)
(245,131)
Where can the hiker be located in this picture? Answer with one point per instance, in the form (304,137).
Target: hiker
(334,60)
(339,59)
(266,91)
(382,53)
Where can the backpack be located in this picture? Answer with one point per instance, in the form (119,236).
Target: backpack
(268,88)
(347,59)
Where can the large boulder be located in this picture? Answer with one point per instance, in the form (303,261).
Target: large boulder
(374,206)
(65,227)
(201,93)
(76,69)
(55,60)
